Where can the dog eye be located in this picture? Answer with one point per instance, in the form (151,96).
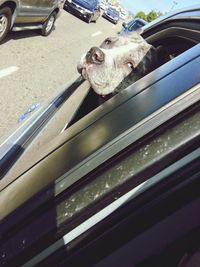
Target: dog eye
(130,65)
(107,41)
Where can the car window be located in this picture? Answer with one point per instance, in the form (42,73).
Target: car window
(171,45)
(136,25)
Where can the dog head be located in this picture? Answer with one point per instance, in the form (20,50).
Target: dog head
(105,67)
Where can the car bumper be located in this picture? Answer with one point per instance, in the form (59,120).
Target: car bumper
(110,18)
(77,11)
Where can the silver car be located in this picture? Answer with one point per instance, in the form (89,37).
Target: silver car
(28,14)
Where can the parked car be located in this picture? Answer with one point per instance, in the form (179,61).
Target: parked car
(116,184)
(88,10)
(133,25)
(21,15)
(111,14)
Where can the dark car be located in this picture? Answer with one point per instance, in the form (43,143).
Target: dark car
(133,25)
(88,10)
(111,185)
(111,14)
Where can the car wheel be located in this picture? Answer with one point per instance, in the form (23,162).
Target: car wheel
(97,18)
(48,25)
(5,22)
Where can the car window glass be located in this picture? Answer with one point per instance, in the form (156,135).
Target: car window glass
(134,26)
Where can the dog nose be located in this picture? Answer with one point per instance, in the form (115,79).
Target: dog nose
(95,55)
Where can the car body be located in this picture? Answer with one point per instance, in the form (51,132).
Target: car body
(111,14)
(86,185)
(88,10)
(133,25)
(25,15)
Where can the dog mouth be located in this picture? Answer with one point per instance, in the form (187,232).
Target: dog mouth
(84,73)
(84,70)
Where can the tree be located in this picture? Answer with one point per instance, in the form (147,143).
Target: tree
(141,15)
(151,15)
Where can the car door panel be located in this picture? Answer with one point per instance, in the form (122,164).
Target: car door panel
(33,11)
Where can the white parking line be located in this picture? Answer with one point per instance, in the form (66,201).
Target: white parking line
(96,33)
(8,71)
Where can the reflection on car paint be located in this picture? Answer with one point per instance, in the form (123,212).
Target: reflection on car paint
(25,115)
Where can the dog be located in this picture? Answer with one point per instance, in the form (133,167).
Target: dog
(118,62)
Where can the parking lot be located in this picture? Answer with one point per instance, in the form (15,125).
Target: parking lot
(34,68)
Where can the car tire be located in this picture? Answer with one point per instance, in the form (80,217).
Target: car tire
(89,19)
(49,24)
(5,22)
(97,18)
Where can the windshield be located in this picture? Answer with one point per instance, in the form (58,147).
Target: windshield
(115,12)
(92,3)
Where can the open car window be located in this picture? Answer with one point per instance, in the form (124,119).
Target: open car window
(174,41)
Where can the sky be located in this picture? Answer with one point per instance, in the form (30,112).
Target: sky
(157,5)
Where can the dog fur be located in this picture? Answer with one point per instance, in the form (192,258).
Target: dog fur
(118,62)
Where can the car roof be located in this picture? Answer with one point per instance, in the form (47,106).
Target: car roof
(188,12)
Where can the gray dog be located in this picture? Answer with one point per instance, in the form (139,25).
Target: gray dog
(117,63)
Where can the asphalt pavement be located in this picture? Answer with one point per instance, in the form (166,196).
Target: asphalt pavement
(34,68)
